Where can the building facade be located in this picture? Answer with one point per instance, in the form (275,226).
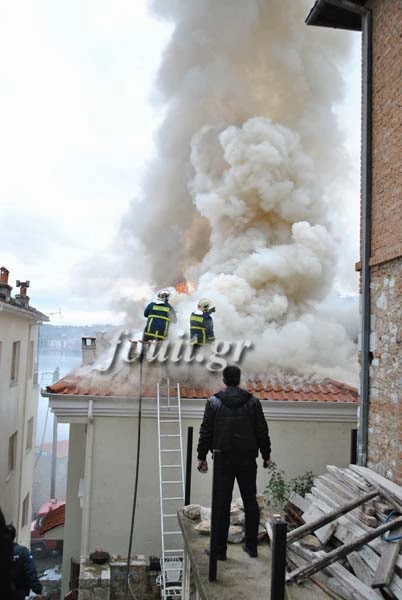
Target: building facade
(19,325)
(310,427)
(381,224)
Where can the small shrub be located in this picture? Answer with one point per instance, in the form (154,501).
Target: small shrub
(279,489)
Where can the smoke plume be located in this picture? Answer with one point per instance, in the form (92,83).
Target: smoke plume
(242,196)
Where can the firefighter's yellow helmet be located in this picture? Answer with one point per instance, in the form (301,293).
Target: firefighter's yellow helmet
(205,304)
(163,294)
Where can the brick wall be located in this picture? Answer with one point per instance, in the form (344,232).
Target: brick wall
(385,411)
(386,242)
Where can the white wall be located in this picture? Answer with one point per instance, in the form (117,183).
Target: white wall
(18,403)
(72,525)
(297,446)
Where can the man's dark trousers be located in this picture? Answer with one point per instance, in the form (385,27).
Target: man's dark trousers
(244,470)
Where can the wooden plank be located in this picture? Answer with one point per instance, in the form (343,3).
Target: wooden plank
(344,492)
(299,501)
(362,591)
(355,515)
(270,533)
(322,533)
(353,480)
(360,568)
(382,507)
(372,559)
(360,481)
(342,591)
(392,491)
(337,553)
(300,556)
(341,490)
(328,517)
(385,569)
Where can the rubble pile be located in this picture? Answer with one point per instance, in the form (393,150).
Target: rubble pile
(350,542)
(202,516)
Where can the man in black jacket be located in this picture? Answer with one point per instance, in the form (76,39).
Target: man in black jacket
(24,572)
(6,561)
(235,424)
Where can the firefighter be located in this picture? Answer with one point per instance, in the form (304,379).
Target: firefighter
(202,324)
(159,315)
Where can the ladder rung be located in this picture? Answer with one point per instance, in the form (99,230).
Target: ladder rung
(169,515)
(178,450)
(170,435)
(170,421)
(171,532)
(177,550)
(172,481)
(170,466)
(174,498)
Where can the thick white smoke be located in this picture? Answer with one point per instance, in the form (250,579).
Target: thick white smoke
(236,199)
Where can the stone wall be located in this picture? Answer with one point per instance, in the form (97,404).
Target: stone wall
(385,408)
(385,415)
(106,582)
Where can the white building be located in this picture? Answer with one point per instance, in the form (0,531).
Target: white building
(310,427)
(19,325)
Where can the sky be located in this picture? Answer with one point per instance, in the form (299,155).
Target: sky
(77,121)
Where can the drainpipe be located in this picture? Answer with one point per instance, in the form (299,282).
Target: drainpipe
(367,27)
(365,360)
(88,480)
(22,439)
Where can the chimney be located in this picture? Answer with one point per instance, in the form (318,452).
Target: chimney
(22,299)
(88,347)
(5,289)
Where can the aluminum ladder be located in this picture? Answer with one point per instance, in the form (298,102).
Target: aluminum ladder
(171,487)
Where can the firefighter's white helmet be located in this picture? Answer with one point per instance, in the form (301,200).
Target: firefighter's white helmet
(163,294)
(205,304)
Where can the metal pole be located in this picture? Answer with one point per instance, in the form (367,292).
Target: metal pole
(56,377)
(353,446)
(189,461)
(217,464)
(278,569)
(54,460)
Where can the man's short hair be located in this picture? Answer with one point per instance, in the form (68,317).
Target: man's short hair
(231,375)
(12,532)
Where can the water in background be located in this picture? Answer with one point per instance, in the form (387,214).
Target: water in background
(48,362)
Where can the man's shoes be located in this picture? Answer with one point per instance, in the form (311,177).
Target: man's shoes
(252,552)
(219,555)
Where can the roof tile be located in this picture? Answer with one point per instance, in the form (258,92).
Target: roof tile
(54,518)
(272,389)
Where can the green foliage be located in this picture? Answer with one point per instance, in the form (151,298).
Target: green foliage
(279,489)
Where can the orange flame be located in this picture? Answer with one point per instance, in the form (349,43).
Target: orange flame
(185,287)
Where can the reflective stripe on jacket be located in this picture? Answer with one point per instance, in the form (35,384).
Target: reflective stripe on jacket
(159,317)
(201,328)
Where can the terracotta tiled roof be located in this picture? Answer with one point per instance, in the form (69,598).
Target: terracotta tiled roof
(328,390)
(62,448)
(54,518)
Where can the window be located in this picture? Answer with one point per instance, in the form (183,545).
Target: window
(31,358)
(15,362)
(12,452)
(30,424)
(25,510)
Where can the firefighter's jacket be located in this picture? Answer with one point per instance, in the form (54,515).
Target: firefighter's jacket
(235,424)
(159,314)
(24,572)
(201,328)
